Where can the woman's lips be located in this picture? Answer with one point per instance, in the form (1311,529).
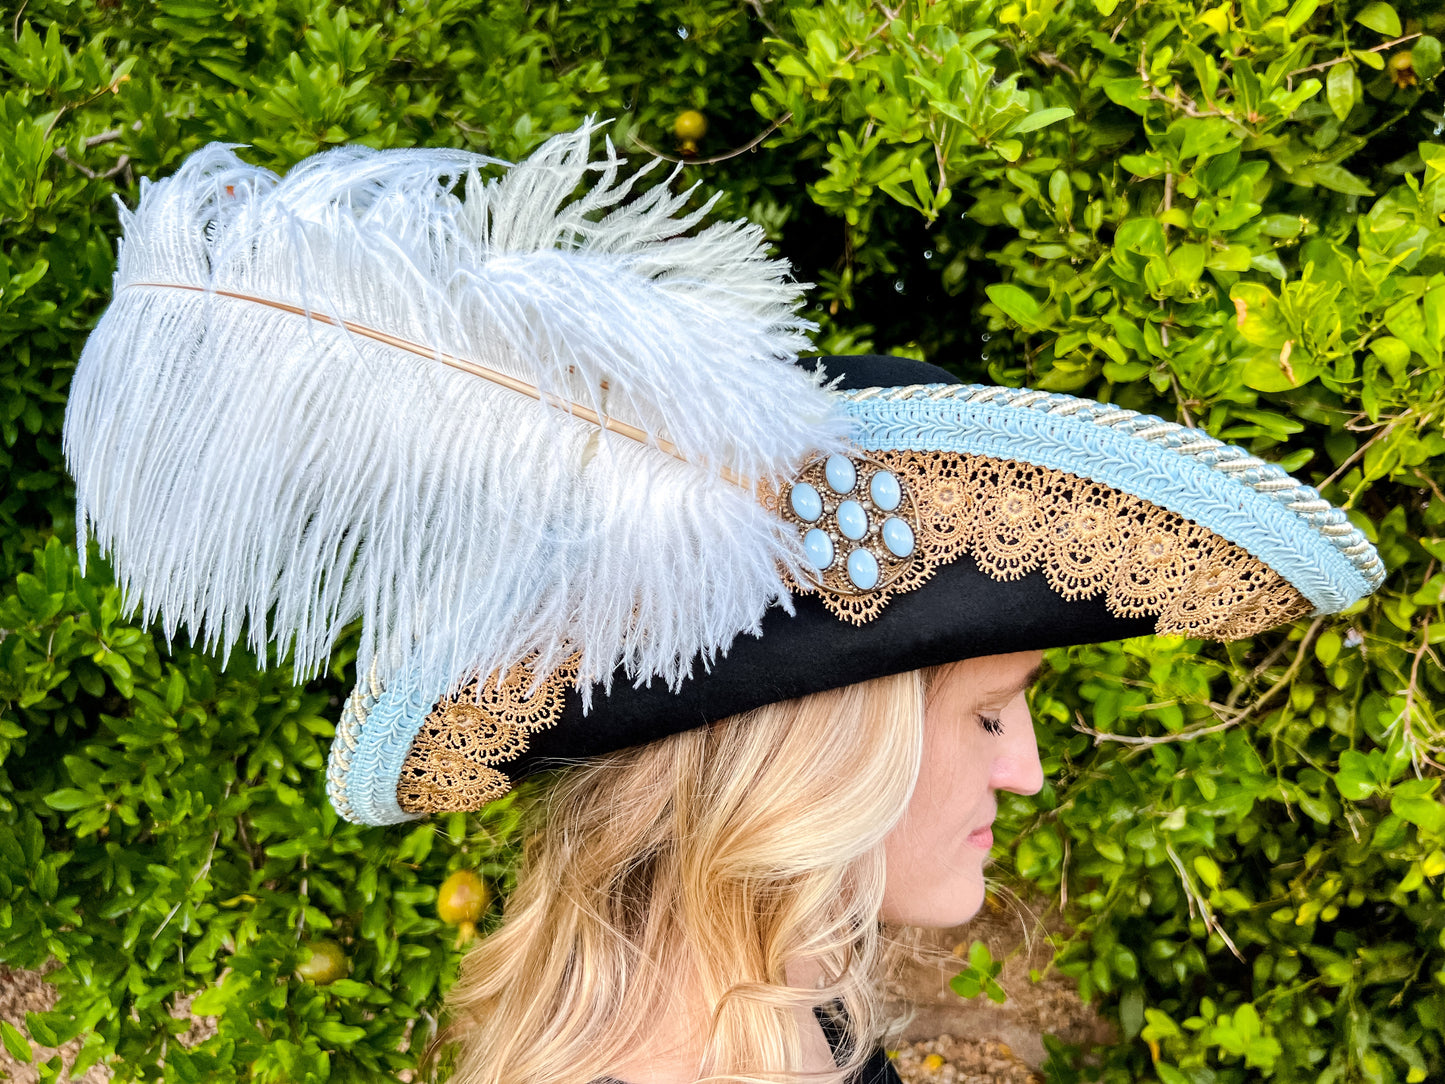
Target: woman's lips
(981,837)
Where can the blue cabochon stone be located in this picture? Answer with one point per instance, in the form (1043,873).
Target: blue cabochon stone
(852,520)
(885,491)
(806,501)
(841,474)
(898,537)
(863,570)
(819,549)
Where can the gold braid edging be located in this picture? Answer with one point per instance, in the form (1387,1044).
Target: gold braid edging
(452,761)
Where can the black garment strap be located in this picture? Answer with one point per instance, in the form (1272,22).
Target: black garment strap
(878,1069)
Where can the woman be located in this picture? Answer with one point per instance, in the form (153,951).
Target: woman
(688,904)
(557,454)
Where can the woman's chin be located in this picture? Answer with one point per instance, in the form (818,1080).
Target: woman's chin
(940,906)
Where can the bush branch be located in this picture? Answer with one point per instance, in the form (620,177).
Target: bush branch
(1197,903)
(1189,733)
(749,145)
(1341,59)
(1420,748)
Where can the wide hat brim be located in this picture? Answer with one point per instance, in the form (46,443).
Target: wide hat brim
(407,752)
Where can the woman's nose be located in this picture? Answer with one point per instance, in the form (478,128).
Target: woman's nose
(1017,767)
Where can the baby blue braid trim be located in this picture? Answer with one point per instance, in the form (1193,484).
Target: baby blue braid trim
(372,742)
(1253,504)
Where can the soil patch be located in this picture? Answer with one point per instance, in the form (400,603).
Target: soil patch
(949,1040)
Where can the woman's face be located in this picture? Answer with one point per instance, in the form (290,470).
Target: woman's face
(978,739)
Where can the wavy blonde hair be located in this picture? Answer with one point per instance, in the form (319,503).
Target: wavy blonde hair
(699,869)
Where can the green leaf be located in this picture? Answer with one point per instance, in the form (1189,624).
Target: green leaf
(1187,262)
(337,1033)
(1380,17)
(1107,848)
(981,959)
(1143,165)
(1207,136)
(212,1001)
(348,988)
(68,799)
(1314,808)
(175,692)
(1017,304)
(1355,779)
(1131,1011)
(1143,235)
(1420,325)
(1425,813)
(1392,352)
(16,1044)
(1353,787)
(1282,226)
(1335,178)
(1008,149)
(1340,90)
(1030,122)
(1128,92)
(1425,57)
(1300,13)
(921,186)
(41,1029)
(966,984)
(1230,258)
(1208,870)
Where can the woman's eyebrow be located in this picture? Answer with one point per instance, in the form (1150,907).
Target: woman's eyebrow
(1023,685)
(1028,680)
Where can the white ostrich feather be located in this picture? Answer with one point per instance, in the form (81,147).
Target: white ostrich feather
(259,472)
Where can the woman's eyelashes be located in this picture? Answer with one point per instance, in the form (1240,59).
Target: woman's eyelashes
(992,724)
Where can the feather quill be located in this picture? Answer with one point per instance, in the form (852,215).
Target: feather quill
(270,434)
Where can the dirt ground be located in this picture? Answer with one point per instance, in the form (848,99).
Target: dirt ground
(946,1040)
(22,992)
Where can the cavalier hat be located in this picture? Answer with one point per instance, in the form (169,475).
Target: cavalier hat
(550,444)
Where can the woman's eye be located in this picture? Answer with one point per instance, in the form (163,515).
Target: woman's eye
(991,723)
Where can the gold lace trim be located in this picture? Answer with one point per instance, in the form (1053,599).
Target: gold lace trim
(1086,537)
(450,765)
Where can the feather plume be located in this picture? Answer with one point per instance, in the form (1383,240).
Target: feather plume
(270,435)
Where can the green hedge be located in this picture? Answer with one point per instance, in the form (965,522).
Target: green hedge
(1229,214)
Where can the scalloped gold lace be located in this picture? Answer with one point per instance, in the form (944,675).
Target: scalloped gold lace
(452,758)
(1086,537)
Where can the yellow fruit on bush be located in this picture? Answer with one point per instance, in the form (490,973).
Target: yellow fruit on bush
(1402,69)
(461,901)
(690,126)
(323,963)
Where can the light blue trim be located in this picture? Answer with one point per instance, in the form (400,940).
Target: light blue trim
(383,741)
(1187,484)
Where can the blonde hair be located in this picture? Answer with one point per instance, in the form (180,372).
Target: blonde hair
(707,862)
